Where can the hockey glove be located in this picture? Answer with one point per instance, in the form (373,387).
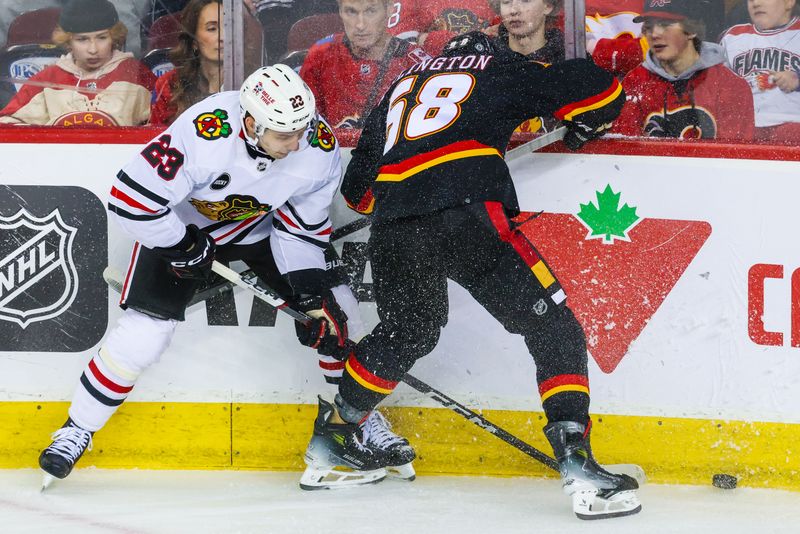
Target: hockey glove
(327,330)
(579,133)
(192,256)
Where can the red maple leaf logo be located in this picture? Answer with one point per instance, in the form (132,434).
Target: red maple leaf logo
(614,289)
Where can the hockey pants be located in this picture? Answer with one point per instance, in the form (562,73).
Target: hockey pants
(479,248)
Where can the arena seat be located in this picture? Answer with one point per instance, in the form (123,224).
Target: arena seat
(33,27)
(164,32)
(21,62)
(307,31)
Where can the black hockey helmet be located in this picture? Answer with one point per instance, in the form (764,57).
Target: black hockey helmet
(475,42)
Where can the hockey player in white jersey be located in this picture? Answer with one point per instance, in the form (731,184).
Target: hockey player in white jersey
(247,175)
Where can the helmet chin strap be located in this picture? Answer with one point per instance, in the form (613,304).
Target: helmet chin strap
(253,141)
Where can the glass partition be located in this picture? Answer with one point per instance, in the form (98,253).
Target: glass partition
(692,69)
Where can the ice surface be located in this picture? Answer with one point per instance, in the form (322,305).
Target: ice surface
(133,501)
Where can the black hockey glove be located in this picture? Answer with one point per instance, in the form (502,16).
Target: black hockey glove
(327,330)
(192,256)
(579,133)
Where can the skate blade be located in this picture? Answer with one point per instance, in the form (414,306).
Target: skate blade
(588,506)
(402,472)
(47,480)
(315,478)
(632,470)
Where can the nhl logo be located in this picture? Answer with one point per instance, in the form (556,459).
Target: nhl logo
(38,277)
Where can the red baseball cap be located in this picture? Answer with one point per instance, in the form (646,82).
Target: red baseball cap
(668,9)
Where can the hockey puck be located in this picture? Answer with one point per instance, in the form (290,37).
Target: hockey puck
(724,481)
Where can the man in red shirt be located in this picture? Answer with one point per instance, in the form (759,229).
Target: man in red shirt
(349,72)
(683,89)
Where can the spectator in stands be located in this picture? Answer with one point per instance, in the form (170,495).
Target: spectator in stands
(197,60)
(350,71)
(94,84)
(683,89)
(130,13)
(615,41)
(766,53)
(528,29)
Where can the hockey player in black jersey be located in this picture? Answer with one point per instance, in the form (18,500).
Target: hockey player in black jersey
(429,167)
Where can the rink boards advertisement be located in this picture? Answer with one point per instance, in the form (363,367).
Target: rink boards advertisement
(683,272)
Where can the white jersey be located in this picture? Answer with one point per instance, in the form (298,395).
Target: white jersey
(752,53)
(201,171)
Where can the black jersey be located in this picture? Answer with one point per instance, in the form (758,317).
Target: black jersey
(438,137)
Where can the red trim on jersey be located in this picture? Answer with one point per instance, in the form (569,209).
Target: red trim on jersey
(590,103)
(287,220)
(326,231)
(237,228)
(116,193)
(741,29)
(421,159)
(332,366)
(116,388)
(134,256)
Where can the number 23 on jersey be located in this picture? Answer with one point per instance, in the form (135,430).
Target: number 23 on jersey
(437,106)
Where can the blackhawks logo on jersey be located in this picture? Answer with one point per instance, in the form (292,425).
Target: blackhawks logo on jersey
(211,126)
(322,137)
(233,208)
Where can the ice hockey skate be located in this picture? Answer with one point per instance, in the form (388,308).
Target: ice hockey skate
(69,443)
(377,433)
(596,493)
(337,456)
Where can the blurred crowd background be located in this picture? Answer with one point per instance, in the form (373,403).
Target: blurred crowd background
(711,69)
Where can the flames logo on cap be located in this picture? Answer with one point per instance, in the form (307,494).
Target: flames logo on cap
(211,126)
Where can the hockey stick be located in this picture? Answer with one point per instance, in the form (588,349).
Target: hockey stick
(250,283)
(536,143)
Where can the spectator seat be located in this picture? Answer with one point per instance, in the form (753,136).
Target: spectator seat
(22,62)
(33,27)
(164,32)
(158,61)
(307,31)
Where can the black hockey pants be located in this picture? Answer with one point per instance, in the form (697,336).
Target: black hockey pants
(479,248)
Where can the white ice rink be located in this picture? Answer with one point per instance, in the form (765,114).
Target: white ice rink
(113,501)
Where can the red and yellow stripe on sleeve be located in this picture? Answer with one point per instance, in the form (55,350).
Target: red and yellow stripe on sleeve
(365,205)
(397,172)
(569,111)
(366,379)
(563,383)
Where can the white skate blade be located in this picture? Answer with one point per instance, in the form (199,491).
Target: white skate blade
(315,478)
(402,472)
(587,505)
(632,470)
(47,479)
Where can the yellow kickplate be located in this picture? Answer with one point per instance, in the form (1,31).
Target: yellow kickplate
(274,436)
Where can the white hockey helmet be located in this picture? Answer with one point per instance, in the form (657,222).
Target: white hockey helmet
(277,99)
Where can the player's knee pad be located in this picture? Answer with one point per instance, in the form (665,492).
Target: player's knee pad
(137,342)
